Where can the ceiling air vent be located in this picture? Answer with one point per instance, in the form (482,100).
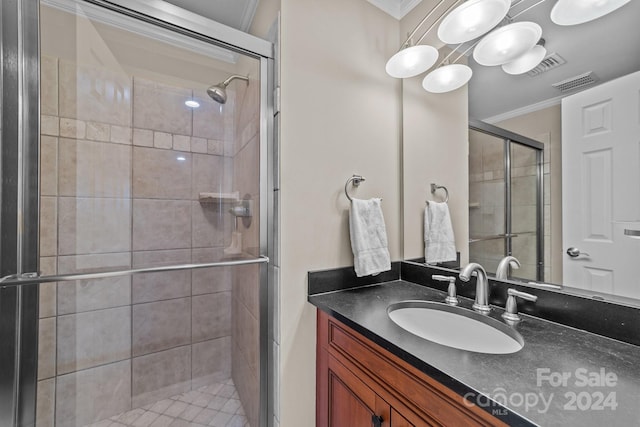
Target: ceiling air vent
(576,82)
(550,62)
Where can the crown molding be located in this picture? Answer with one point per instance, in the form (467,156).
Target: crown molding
(524,110)
(396,8)
(141,28)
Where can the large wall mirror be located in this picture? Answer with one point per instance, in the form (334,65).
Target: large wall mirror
(568,207)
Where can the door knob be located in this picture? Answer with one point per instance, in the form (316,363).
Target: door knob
(575,252)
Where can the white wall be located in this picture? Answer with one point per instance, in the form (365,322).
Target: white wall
(340,115)
(435,147)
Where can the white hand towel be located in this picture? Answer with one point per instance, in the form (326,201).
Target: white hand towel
(368,237)
(439,241)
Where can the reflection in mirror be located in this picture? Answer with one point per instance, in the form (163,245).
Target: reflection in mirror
(589,124)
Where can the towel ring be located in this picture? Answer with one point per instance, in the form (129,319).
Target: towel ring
(356,180)
(435,187)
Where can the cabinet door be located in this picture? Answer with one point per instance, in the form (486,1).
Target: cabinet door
(351,402)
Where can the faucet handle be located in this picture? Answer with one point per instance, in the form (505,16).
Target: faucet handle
(451,298)
(511,308)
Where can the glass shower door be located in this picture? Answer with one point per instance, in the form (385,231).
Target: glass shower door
(505,200)
(142,170)
(524,207)
(487,221)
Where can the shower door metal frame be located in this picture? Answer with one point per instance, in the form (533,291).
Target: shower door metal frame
(513,138)
(19,192)
(19,88)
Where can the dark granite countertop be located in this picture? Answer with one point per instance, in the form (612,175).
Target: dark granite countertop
(522,383)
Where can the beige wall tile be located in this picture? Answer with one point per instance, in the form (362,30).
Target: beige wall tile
(49,125)
(199,145)
(211,361)
(246,287)
(86,295)
(209,280)
(77,394)
(48,226)
(160,375)
(161,224)
(143,137)
(161,325)
(247,384)
(215,147)
(246,169)
(121,135)
(162,140)
(181,143)
(48,85)
(95,169)
(211,174)
(94,94)
(211,316)
(161,107)
(48,166)
(213,120)
(71,128)
(211,225)
(161,286)
(246,333)
(98,132)
(47,348)
(48,304)
(93,338)
(94,225)
(45,403)
(158,174)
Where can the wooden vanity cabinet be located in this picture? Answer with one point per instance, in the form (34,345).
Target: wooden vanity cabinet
(360,384)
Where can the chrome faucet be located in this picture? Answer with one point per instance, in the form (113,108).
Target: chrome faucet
(482,286)
(502,273)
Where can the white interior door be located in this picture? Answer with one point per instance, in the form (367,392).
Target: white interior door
(601,186)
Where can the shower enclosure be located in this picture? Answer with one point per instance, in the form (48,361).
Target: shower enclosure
(506,203)
(136,217)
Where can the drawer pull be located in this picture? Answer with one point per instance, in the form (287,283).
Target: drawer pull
(376,421)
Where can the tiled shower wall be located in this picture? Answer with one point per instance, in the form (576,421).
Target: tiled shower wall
(245,295)
(114,195)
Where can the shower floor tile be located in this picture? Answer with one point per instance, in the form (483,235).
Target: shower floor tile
(215,405)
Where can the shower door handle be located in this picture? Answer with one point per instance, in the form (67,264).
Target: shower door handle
(574,252)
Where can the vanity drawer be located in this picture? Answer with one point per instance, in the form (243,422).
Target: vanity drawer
(421,399)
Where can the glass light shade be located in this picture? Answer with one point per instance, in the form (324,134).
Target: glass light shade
(526,62)
(412,61)
(447,78)
(472,19)
(574,12)
(507,43)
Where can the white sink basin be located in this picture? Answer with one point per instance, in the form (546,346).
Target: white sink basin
(455,327)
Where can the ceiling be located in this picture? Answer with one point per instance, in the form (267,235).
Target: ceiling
(608,46)
(234,13)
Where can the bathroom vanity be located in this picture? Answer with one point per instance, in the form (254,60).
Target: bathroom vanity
(371,372)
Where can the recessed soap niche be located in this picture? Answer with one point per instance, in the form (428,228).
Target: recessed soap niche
(241,209)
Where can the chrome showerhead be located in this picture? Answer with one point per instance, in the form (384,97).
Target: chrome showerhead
(219,92)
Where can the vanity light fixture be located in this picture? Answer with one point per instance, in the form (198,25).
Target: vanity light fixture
(507,43)
(526,62)
(447,78)
(413,59)
(574,12)
(472,19)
